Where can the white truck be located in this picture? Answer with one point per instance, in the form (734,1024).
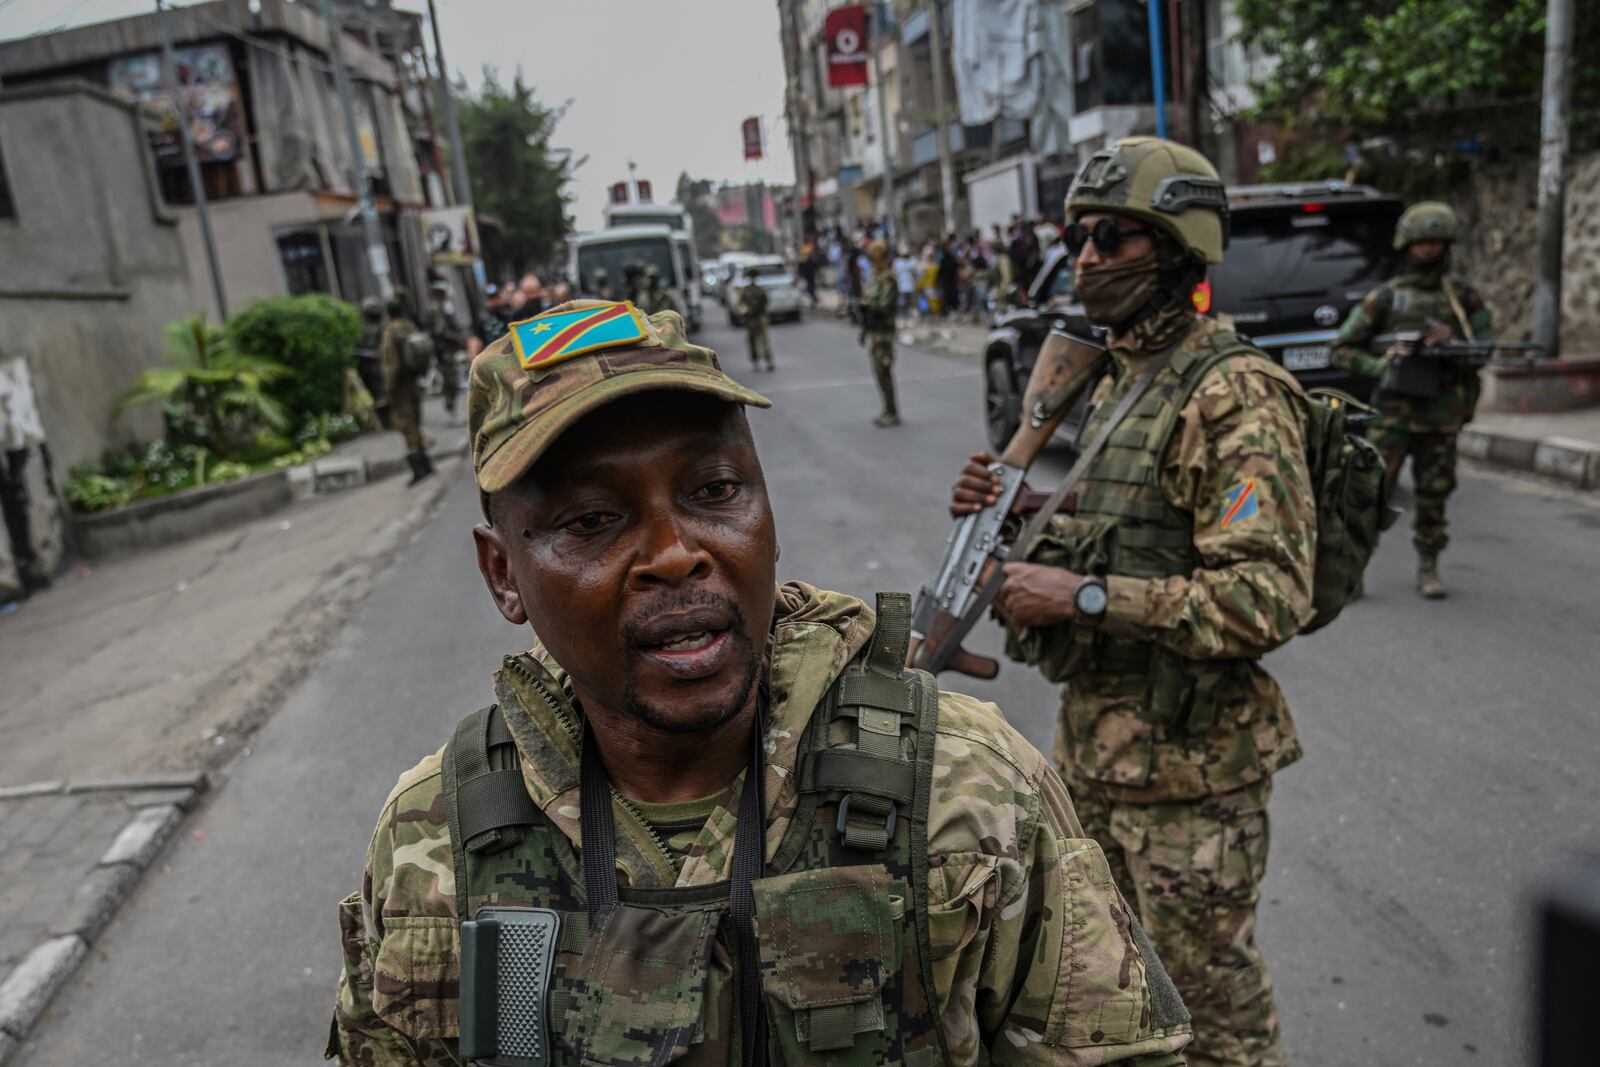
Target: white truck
(675,217)
(613,250)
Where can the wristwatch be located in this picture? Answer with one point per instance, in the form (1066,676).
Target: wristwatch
(1090,600)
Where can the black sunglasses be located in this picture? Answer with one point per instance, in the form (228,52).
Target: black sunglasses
(1105,233)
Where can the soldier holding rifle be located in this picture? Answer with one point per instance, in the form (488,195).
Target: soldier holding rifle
(1426,393)
(1188,558)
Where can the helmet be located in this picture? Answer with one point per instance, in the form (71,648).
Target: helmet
(1427,221)
(1173,188)
(652,274)
(601,275)
(400,304)
(877,252)
(371,307)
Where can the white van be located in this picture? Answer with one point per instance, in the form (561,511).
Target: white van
(648,246)
(676,218)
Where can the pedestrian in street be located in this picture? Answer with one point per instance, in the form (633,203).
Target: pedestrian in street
(653,846)
(753,303)
(407,353)
(949,277)
(1426,299)
(491,324)
(905,280)
(654,296)
(877,329)
(530,298)
(447,343)
(808,268)
(1189,557)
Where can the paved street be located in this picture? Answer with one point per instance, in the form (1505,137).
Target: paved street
(1450,753)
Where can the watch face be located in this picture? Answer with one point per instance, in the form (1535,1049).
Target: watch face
(1091,599)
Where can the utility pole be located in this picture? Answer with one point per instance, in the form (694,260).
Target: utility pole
(947,178)
(377,251)
(795,113)
(1158,69)
(452,125)
(880,18)
(1553,175)
(202,208)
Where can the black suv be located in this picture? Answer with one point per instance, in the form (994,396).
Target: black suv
(1299,258)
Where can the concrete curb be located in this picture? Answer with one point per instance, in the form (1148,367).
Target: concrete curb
(1563,459)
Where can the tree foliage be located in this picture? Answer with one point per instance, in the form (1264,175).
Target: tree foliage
(516,173)
(1373,65)
(695,195)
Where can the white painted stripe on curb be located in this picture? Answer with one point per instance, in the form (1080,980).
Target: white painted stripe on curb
(140,839)
(34,981)
(1567,459)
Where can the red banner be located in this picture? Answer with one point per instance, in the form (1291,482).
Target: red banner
(845,30)
(619,193)
(643,189)
(751,129)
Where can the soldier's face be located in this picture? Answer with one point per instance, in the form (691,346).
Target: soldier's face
(642,549)
(1427,251)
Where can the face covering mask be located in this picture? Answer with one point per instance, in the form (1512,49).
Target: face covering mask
(1112,294)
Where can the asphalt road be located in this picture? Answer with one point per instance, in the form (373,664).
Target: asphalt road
(1450,754)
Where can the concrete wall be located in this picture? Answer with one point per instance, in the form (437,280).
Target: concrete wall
(91,267)
(246,246)
(1499,215)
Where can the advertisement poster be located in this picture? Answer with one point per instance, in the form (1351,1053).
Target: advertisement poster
(845,31)
(751,129)
(210,93)
(451,235)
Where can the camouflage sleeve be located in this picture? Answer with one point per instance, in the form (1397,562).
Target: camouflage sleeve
(1237,463)
(376,986)
(1036,954)
(1352,346)
(1478,315)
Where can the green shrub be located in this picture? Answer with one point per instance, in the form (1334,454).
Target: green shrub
(88,490)
(314,336)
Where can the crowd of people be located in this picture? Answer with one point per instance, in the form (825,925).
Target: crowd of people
(960,276)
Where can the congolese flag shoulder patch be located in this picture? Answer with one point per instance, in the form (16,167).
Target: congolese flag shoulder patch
(557,336)
(1239,504)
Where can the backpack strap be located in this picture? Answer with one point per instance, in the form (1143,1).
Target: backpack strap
(486,801)
(877,780)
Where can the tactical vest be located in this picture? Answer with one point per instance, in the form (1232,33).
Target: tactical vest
(1404,308)
(1126,526)
(845,967)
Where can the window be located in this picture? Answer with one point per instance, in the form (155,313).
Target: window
(8,210)
(303,266)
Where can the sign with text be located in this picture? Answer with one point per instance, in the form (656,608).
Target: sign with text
(751,128)
(845,31)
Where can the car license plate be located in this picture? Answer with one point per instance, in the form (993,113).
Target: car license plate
(1306,357)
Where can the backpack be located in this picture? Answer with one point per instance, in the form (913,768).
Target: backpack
(1352,493)
(416,353)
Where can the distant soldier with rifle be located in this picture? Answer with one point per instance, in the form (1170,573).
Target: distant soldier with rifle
(1406,334)
(753,303)
(1189,556)
(879,298)
(447,343)
(407,354)
(369,361)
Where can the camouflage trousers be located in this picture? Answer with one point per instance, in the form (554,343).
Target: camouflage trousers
(760,342)
(405,415)
(449,379)
(881,347)
(1433,469)
(1194,870)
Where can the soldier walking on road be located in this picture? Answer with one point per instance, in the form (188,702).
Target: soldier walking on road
(369,356)
(447,344)
(1423,298)
(879,300)
(407,355)
(710,819)
(656,297)
(753,312)
(1189,558)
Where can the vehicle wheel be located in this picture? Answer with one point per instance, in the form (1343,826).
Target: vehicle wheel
(1002,404)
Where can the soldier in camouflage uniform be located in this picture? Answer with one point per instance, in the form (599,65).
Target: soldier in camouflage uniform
(879,300)
(655,297)
(447,345)
(369,356)
(753,302)
(491,324)
(403,386)
(1426,299)
(1188,558)
(628,523)
(602,284)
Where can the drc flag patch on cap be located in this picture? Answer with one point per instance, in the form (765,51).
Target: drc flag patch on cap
(1239,504)
(558,336)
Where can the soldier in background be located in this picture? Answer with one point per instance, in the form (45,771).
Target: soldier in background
(1188,558)
(929,896)
(447,343)
(369,357)
(1422,298)
(879,299)
(407,354)
(655,297)
(753,303)
(632,282)
(491,321)
(602,284)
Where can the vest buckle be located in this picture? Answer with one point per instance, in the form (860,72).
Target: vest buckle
(868,836)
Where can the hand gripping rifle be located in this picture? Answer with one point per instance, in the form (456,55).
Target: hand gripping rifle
(1418,370)
(972,573)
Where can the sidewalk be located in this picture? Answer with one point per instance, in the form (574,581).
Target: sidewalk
(129,682)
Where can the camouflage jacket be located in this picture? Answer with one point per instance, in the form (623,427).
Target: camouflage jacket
(878,303)
(753,303)
(1033,958)
(491,327)
(396,375)
(660,299)
(1242,426)
(446,337)
(1415,300)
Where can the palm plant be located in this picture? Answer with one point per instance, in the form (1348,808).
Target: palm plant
(220,391)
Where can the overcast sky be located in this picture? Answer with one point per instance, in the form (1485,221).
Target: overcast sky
(664,83)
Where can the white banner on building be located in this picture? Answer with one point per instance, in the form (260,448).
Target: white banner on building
(451,235)
(994,51)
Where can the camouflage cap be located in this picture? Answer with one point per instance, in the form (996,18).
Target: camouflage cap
(548,372)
